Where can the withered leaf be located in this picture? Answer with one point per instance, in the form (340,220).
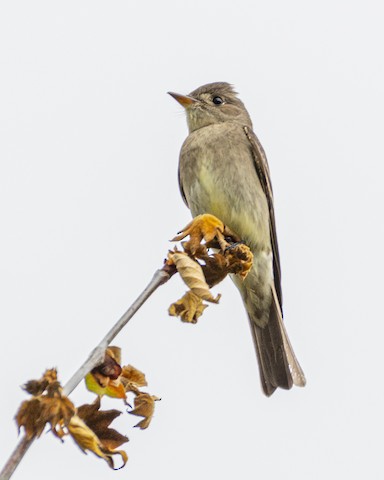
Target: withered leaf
(110,368)
(200,252)
(114,352)
(192,274)
(29,416)
(50,375)
(59,410)
(240,259)
(189,308)
(51,407)
(216,268)
(236,259)
(86,439)
(144,406)
(99,420)
(37,387)
(132,378)
(104,379)
(113,388)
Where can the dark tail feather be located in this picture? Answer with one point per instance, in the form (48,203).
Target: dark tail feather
(277,362)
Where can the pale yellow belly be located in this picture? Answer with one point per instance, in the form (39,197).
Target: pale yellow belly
(249,219)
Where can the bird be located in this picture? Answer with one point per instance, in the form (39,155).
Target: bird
(223,171)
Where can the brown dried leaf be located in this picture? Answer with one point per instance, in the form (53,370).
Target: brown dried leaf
(29,417)
(51,407)
(189,308)
(204,226)
(105,378)
(215,268)
(200,252)
(110,368)
(99,420)
(50,375)
(132,378)
(37,387)
(144,406)
(59,411)
(129,379)
(240,259)
(192,274)
(114,352)
(236,259)
(86,439)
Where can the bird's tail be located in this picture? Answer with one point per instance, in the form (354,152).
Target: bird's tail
(277,361)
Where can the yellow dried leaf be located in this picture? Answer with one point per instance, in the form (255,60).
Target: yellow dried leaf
(192,274)
(87,440)
(115,389)
(112,388)
(189,308)
(144,406)
(132,378)
(114,352)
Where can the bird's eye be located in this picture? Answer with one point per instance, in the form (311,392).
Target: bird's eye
(217,100)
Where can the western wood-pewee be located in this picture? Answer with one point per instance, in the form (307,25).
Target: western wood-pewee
(223,171)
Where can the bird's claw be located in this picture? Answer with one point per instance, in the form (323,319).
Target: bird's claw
(203,227)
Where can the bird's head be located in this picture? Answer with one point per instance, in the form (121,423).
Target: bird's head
(213,103)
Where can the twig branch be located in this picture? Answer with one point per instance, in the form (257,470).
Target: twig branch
(97,355)
(16,457)
(95,358)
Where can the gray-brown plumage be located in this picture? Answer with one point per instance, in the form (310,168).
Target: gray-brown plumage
(223,171)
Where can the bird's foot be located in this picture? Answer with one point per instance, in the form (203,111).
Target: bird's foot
(209,228)
(203,227)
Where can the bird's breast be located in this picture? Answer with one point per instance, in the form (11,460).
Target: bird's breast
(218,176)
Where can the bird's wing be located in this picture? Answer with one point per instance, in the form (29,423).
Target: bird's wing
(262,170)
(181,188)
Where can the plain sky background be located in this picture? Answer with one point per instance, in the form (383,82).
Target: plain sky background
(89,145)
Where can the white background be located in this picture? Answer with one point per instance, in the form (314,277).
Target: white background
(89,145)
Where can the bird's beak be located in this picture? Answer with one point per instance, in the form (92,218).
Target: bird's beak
(184,100)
